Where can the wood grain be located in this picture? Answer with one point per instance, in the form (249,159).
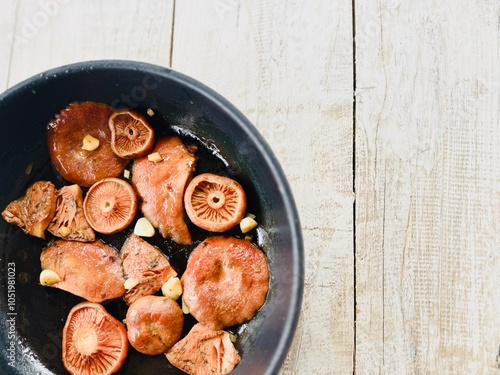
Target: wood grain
(401,275)
(427,197)
(51,33)
(7,27)
(288,67)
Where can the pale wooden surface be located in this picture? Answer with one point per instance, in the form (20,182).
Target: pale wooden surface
(427,187)
(398,186)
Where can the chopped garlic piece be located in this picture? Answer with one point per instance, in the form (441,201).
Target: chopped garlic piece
(232,336)
(155,157)
(144,228)
(150,112)
(172,288)
(185,309)
(247,224)
(126,174)
(64,231)
(49,277)
(90,143)
(130,283)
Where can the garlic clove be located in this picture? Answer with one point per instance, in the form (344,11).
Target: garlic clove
(172,288)
(49,277)
(90,143)
(144,228)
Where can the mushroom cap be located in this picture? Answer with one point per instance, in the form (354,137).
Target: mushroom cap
(94,342)
(34,211)
(65,134)
(204,351)
(69,220)
(131,135)
(225,282)
(110,205)
(154,324)
(215,203)
(91,270)
(146,264)
(160,186)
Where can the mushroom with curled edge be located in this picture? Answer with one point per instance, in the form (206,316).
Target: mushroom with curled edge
(131,135)
(69,221)
(34,211)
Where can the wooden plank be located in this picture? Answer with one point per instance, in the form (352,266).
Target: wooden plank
(427,196)
(288,66)
(59,32)
(7,27)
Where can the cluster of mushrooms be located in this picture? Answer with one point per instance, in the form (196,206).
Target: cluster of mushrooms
(226,280)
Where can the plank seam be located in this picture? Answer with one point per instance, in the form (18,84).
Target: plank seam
(172,37)
(353,23)
(13,43)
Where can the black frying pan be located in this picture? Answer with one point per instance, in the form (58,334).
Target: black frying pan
(33,316)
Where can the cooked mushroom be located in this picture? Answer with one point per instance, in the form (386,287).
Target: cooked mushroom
(204,351)
(91,270)
(34,211)
(146,266)
(76,161)
(215,203)
(94,342)
(154,324)
(110,205)
(225,282)
(131,135)
(160,186)
(69,220)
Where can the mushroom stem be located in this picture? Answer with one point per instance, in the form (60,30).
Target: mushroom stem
(216,199)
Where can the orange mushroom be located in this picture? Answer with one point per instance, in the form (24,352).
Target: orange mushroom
(91,270)
(204,351)
(94,342)
(154,324)
(34,211)
(69,220)
(215,203)
(79,144)
(110,205)
(131,135)
(225,282)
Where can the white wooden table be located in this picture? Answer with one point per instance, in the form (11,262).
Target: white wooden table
(385,117)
